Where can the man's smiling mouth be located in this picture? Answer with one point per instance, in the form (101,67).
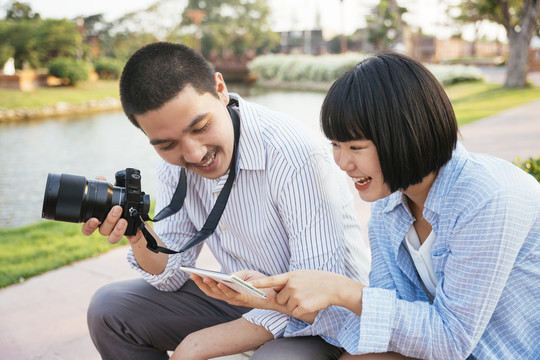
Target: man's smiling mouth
(209,161)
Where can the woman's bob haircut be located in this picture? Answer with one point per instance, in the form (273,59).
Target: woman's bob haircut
(398,104)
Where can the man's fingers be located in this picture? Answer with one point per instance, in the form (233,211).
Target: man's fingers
(110,221)
(118,231)
(271,281)
(90,226)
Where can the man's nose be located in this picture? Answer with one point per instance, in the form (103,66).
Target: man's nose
(193,152)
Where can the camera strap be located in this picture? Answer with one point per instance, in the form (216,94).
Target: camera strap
(177,200)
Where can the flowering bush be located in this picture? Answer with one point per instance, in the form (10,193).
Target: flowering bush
(327,68)
(531,166)
(324,68)
(453,74)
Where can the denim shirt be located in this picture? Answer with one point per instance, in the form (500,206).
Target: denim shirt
(485,213)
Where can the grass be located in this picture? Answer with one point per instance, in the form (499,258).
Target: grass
(34,249)
(473,101)
(31,250)
(40,97)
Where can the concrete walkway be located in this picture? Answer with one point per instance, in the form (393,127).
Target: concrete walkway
(45,317)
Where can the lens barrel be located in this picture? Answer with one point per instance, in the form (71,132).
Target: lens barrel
(75,199)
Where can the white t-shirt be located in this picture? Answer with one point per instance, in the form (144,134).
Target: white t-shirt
(421,256)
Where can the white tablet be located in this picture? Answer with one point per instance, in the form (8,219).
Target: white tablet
(231,281)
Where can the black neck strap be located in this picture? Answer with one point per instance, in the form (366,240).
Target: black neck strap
(180,194)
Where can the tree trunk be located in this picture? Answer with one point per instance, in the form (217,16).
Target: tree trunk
(519,38)
(516,68)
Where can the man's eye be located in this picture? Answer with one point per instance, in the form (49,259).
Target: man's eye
(169,146)
(201,129)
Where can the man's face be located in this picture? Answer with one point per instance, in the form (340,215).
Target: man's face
(193,131)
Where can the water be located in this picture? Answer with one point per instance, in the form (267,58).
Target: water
(96,145)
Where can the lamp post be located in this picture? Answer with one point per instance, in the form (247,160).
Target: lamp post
(196,16)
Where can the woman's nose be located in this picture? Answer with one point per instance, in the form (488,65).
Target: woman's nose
(343,160)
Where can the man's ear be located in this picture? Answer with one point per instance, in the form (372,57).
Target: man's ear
(221,88)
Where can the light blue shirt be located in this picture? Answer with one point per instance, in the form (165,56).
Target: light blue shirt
(289,209)
(485,213)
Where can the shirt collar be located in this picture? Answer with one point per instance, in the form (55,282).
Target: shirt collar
(251,151)
(441,186)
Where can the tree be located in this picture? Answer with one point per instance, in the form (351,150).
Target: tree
(56,38)
(35,43)
(385,24)
(520,19)
(21,11)
(231,26)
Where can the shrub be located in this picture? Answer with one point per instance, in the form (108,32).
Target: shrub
(290,68)
(327,68)
(71,69)
(454,74)
(531,166)
(108,68)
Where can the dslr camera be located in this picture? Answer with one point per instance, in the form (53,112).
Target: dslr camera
(75,199)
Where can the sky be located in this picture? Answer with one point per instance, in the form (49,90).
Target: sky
(336,17)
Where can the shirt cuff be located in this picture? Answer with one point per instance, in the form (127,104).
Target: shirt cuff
(171,279)
(369,333)
(336,325)
(378,311)
(272,321)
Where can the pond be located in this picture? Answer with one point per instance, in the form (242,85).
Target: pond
(97,144)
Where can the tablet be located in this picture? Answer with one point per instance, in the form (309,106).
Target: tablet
(231,281)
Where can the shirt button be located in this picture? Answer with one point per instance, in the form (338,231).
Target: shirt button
(223,228)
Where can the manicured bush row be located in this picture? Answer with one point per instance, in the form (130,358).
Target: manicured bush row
(327,68)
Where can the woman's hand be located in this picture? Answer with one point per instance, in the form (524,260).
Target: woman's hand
(306,292)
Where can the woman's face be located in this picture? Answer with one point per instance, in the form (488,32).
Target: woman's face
(359,159)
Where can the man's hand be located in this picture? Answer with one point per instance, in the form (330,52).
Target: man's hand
(223,292)
(113,227)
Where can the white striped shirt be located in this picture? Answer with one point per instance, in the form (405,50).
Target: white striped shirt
(289,208)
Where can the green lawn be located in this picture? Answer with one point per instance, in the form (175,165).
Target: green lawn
(14,99)
(473,101)
(47,245)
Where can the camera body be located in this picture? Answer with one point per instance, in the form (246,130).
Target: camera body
(75,199)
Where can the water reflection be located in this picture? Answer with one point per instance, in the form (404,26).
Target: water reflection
(97,144)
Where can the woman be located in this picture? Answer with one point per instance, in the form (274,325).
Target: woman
(454,235)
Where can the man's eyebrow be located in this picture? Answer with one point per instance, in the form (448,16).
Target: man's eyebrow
(193,123)
(155,142)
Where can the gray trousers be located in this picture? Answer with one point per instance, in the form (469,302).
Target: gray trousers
(133,320)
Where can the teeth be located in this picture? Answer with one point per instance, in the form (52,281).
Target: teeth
(362,180)
(209,160)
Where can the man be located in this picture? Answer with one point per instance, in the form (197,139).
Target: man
(287,210)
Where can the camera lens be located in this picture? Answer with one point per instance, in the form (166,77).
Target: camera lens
(75,199)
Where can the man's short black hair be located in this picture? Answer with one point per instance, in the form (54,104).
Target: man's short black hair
(395,102)
(157,72)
